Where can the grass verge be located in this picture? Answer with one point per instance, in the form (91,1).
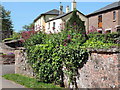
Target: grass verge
(28,82)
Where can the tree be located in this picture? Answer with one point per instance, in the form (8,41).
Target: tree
(29,27)
(76,23)
(7,26)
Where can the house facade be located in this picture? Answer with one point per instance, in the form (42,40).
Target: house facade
(54,21)
(106,19)
(57,24)
(40,21)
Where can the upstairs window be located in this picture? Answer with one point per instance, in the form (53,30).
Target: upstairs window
(100,21)
(53,25)
(48,25)
(114,15)
(100,18)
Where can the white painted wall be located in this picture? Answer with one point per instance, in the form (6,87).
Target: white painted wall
(57,26)
(41,22)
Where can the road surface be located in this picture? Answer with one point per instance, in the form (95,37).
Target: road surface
(6,69)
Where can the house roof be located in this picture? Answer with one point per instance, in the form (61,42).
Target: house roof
(51,12)
(106,8)
(63,15)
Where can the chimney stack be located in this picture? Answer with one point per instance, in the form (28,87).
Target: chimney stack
(67,9)
(61,9)
(73,5)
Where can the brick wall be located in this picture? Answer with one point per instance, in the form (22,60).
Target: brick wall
(107,20)
(100,71)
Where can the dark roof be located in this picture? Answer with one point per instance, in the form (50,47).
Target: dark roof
(60,16)
(63,15)
(106,8)
(51,12)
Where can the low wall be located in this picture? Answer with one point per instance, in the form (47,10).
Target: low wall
(100,71)
(7,59)
(21,63)
(6,54)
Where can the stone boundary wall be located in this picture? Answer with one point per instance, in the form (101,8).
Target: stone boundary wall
(5,56)
(7,59)
(100,71)
(21,63)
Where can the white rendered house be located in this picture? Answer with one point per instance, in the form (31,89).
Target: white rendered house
(54,21)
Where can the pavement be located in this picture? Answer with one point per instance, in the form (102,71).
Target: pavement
(7,84)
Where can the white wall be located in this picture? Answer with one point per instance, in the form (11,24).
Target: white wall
(41,22)
(57,26)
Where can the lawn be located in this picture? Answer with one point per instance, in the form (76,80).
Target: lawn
(28,82)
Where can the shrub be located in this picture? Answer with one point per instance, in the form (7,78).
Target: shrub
(106,38)
(76,23)
(48,54)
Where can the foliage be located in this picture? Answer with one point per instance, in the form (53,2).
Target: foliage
(109,40)
(29,27)
(6,20)
(27,34)
(49,53)
(92,43)
(16,35)
(76,23)
(28,82)
(106,38)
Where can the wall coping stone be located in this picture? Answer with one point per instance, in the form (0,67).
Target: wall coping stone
(111,50)
(20,48)
(4,46)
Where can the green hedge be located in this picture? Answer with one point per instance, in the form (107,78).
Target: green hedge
(48,54)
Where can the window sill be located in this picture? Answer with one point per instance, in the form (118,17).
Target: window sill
(114,20)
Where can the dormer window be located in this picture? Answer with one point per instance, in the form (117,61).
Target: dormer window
(114,15)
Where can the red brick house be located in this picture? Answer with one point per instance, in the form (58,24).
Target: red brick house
(106,19)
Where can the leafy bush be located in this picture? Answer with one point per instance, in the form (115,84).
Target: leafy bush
(16,35)
(106,38)
(76,23)
(48,54)
(110,40)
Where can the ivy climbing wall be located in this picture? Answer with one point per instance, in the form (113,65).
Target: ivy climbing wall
(101,70)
